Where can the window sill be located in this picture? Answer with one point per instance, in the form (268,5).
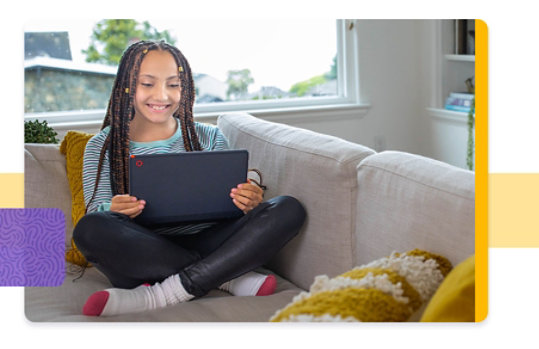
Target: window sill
(298,114)
(72,120)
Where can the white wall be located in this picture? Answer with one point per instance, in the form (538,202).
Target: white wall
(390,82)
(400,76)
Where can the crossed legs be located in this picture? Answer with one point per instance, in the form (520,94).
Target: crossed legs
(130,255)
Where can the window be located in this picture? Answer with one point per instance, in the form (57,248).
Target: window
(261,66)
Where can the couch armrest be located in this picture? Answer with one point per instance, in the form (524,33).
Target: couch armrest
(319,171)
(45,181)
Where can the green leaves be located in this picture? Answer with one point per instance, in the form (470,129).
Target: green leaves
(471,139)
(39,132)
(302,87)
(238,82)
(111,37)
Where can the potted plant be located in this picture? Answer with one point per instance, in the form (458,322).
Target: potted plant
(39,132)
(471,127)
(471,143)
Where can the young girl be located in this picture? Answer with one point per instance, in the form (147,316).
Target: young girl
(151,111)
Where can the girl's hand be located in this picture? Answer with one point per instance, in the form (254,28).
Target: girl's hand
(128,205)
(247,196)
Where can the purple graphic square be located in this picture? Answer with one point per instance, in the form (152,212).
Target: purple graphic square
(32,248)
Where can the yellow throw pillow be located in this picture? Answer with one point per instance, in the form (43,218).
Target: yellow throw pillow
(389,289)
(454,301)
(73,146)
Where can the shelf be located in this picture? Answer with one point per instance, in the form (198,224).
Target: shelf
(460,58)
(449,115)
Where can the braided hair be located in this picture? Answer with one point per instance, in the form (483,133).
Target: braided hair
(121,111)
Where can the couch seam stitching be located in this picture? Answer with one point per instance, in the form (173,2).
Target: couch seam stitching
(303,151)
(417,182)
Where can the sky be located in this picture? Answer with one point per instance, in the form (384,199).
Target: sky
(291,50)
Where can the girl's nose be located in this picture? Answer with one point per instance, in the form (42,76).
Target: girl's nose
(160,92)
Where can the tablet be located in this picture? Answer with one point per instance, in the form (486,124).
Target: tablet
(187,187)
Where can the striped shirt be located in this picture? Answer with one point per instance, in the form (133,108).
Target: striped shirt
(209,136)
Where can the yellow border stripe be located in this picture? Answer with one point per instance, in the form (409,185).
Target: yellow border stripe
(481,171)
(11,190)
(513,218)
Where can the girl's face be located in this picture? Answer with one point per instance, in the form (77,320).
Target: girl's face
(158,88)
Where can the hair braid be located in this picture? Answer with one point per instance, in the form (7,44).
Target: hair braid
(121,111)
(187,101)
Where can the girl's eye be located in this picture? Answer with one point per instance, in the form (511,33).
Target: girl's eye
(174,85)
(146,85)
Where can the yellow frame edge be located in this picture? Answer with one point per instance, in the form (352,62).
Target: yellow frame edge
(481,171)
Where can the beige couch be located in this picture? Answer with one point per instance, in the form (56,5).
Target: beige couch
(361,206)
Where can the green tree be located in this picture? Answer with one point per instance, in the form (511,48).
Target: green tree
(110,38)
(238,82)
(300,88)
(332,74)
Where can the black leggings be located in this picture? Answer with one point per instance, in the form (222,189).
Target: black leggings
(130,254)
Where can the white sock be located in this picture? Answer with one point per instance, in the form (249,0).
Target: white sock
(115,301)
(249,284)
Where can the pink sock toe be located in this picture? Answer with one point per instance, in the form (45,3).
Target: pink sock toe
(95,303)
(268,287)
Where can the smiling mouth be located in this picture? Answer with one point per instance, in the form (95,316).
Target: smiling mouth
(158,107)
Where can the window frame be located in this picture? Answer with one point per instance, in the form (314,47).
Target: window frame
(346,102)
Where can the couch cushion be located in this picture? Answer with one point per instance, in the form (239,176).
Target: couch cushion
(454,301)
(318,170)
(64,303)
(407,201)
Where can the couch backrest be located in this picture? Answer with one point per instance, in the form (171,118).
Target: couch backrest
(45,181)
(407,201)
(320,171)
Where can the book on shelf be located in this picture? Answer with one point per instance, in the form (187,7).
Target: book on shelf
(459,101)
(457,108)
(462,95)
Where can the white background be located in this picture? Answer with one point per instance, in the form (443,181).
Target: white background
(513,144)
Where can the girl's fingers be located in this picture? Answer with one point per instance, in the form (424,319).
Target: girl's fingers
(136,214)
(131,211)
(121,207)
(249,191)
(251,187)
(239,204)
(128,208)
(124,198)
(247,196)
(242,199)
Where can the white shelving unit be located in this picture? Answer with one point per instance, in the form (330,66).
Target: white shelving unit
(460,58)
(454,69)
(449,129)
(448,115)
